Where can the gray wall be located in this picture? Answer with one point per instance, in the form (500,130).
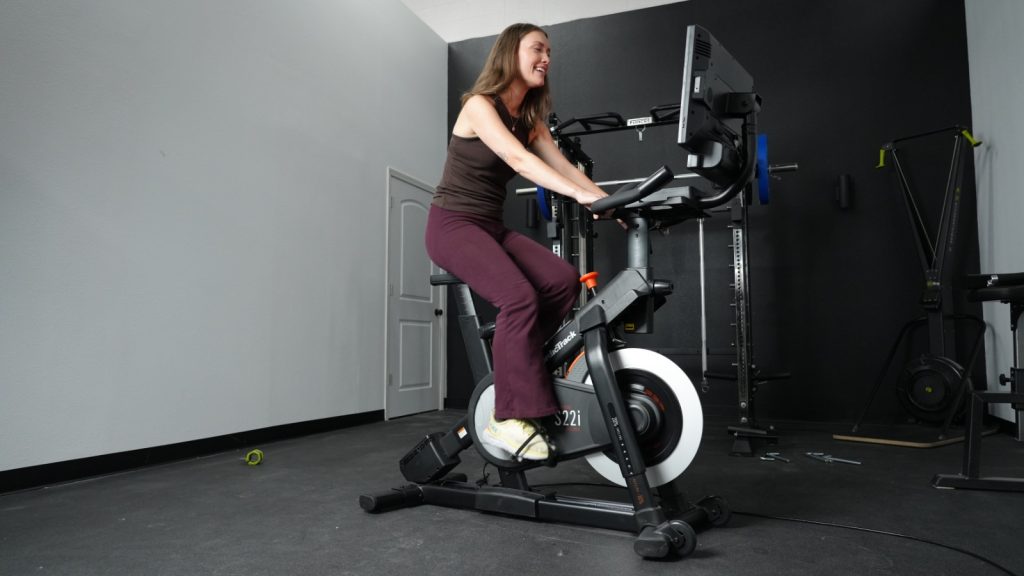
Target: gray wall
(997,92)
(192,213)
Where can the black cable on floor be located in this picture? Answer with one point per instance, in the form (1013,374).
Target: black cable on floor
(884,533)
(974,555)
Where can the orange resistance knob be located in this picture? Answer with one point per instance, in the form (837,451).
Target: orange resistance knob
(590,279)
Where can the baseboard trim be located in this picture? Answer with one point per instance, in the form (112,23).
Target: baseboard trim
(69,470)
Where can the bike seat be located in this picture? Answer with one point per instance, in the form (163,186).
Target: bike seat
(444,279)
(1011,294)
(996,287)
(992,280)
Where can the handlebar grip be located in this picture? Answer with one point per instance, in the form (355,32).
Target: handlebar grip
(655,181)
(630,194)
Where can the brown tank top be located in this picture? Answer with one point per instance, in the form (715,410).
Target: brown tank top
(474,178)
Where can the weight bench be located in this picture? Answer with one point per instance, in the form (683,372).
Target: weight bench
(1009,289)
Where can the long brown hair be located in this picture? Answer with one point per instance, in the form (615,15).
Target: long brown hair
(501,69)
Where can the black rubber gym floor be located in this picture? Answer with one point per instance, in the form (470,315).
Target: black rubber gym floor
(298,513)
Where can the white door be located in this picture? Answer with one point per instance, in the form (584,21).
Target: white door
(415,334)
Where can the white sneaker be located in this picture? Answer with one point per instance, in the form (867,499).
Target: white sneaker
(510,435)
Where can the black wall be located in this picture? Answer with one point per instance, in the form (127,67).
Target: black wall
(831,288)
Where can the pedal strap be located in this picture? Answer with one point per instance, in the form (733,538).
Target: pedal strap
(538,430)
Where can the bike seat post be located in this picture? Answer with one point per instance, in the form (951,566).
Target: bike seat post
(477,350)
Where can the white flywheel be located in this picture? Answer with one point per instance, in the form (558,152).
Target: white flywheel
(658,368)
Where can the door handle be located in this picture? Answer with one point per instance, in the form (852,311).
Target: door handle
(438,312)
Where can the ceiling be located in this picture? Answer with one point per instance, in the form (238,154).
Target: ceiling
(455,20)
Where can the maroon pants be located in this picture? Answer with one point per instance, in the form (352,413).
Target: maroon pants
(532,288)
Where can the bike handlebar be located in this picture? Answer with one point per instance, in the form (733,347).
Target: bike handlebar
(749,104)
(631,193)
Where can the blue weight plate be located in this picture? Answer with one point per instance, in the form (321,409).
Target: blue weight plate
(542,203)
(763,193)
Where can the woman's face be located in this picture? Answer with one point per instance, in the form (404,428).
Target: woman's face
(534,58)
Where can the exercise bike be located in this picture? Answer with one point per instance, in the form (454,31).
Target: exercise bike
(631,413)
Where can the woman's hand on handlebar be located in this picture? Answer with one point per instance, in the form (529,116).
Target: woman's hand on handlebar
(586,198)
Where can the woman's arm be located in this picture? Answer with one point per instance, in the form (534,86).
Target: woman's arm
(480,118)
(545,147)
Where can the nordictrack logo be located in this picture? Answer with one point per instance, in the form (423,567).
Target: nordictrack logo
(562,343)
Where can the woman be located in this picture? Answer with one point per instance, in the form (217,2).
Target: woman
(501,131)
